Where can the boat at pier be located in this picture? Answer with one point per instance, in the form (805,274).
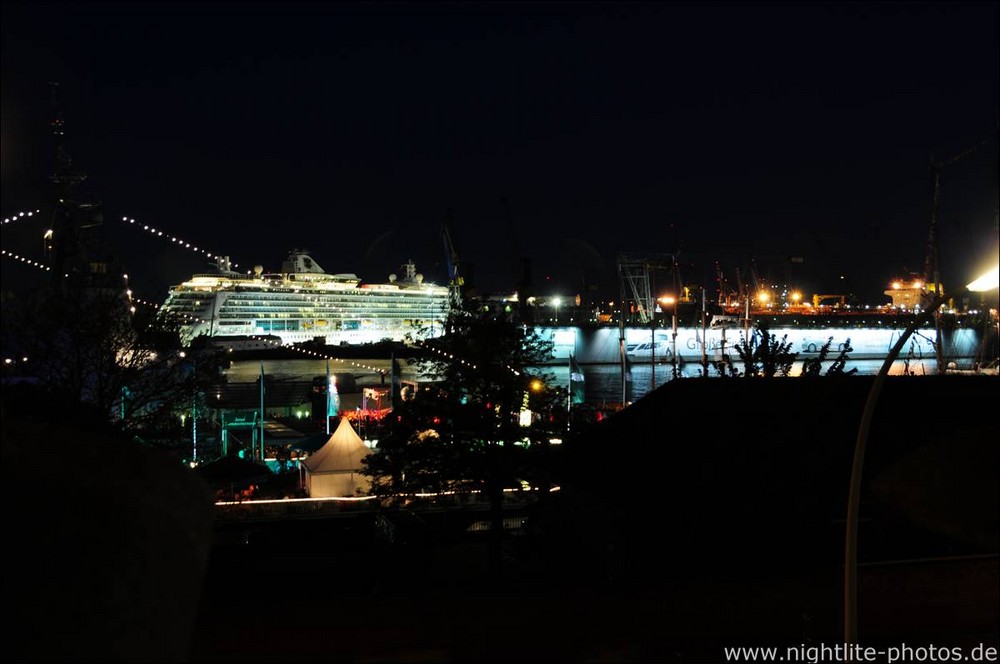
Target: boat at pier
(303,303)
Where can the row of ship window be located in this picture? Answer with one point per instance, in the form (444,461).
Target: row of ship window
(268,325)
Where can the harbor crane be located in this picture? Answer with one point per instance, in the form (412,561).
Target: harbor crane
(932,269)
(455,278)
(720,279)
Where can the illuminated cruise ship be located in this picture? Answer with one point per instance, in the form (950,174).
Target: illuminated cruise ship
(303,302)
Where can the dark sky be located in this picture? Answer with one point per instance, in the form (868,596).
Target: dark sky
(723,130)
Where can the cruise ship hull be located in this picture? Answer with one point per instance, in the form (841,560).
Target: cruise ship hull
(298,306)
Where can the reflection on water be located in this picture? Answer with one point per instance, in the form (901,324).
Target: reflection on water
(603,382)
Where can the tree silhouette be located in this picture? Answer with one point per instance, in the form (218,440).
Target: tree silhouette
(89,352)
(814,365)
(462,430)
(764,355)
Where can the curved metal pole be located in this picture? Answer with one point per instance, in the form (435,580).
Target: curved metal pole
(854,493)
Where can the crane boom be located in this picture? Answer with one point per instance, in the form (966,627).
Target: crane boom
(455,280)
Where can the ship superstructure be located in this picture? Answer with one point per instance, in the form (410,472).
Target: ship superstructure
(302,303)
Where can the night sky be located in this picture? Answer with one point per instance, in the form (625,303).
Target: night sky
(722,131)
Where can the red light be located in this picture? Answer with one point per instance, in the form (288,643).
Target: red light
(437,420)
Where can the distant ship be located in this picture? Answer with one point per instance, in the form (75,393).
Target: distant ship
(303,303)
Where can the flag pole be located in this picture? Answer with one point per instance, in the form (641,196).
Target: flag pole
(328,397)
(262,411)
(569,384)
(704,334)
(569,392)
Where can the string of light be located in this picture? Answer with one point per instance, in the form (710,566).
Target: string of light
(320,356)
(152,230)
(46,268)
(148,303)
(19,215)
(27,261)
(449,356)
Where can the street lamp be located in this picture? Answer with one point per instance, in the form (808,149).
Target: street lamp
(986,282)
(671,300)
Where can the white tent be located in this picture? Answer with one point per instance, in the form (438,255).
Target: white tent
(334,470)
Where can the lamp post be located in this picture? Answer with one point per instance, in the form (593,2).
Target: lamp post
(704,334)
(673,338)
(194,416)
(185,363)
(984,283)
(671,301)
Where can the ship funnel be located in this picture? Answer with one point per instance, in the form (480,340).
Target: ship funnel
(299,261)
